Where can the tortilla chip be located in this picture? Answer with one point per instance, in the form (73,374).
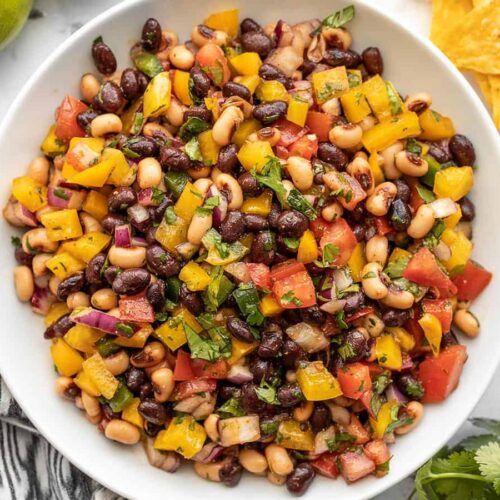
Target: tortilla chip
(446,13)
(474,41)
(484,84)
(495,95)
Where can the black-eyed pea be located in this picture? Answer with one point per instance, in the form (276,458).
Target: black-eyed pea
(373,286)
(377,249)
(24,283)
(229,184)
(77,299)
(226,124)
(211,425)
(301,172)
(411,164)
(346,136)
(38,239)
(360,169)
(253,461)
(91,405)
(278,459)
(181,57)
(199,173)
(339,414)
(422,222)
(163,383)
(466,322)
(62,385)
(153,129)
(332,107)
(342,401)
(379,202)
(373,324)
(337,37)
(398,299)
(415,411)
(149,370)
(152,354)
(89,87)
(332,211)
(463,304)
(117,363)
(291,376)
(201,35)
(203,185)
(115,312)
(107,123)
(368,122)
(303,412)
(90,224)
(276,479)
(210,471)
(78,403)
(200,224)
(127,257)
(389,163)
(104,299)
(175,113)
(419,102)
(122,432)
(39,169)
(54,283)
(149,173)
(272,135)
(39,264)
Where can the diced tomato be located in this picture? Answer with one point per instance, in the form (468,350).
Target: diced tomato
(290,132)
(382,225)
(66,124)
(363,311)
(305,147)
(440,374)
(190,387)
(377,451)
(286,269)
(355,465)
(212,59)
(423,269)
(202,368)
(355,428)
(260,275)
(295,291)
(413,327)
(282,152)
(318,227)
(348,187)
(183,369)
(442,309)
(340,235)
(354,379)
(374,368)
(472,281)
(326,465)
(415,199)
(136,308)
(320,124)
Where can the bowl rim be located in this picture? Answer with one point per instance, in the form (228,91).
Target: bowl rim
(486,122)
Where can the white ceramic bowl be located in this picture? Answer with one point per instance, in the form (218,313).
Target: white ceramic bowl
(413,64)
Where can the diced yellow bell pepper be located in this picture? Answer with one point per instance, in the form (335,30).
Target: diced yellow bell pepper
(172,332)
(51,145)
(181,87)
(435,126)
(378,173)
(308,248)
(190,199)
(138,340)
(453,182)
(255,155)
(121,172)
(433,331)
(240,350)
(128,117)
(99,374)
(330,83)
(131,413)
(246,64)
(317,383)
(183,435)
(376,94)
(355,77)
(245,128)
(452,220)
(157,95)
(195,277)
(171,235)
(269,306)
(399,253)
(357,261)
(83,381)
(56,310)
(96,205)
(83,338)
(68,361)
(355,105)
(460,246)
(212,104)
(95,176)
(388,352)
(89,245)
(226,20)
(62,224)
(95,144)
(271,90)
(290,435)
(29,193)
(247,240)
(406,340)
(384,134)
(261,205)
(297,111)
(64,265)
(383,420)
(251,82)
(208,147)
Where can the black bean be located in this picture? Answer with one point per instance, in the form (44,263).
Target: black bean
(156,294)
(230,473)
(292,223)
(404,191)
(70,285)
(201,81)
(24,258)
(130,83)
(227,158)
(174,158)
(111,273)
(372,59)
(134,378)
(84,119)
(141,147)
(104,59)
(255,223)
(256,41)
(150,235)
(263,248)
(395,317)
(161,262)
(110,221)
(320,418)
(59,327)
(232,227)
(410,386)
(236,89)
(269,72)
(353,302)
(289,395)
(271,342)
(240,329)
(138,220)
(339,57)
(152,411)
(261,369)
(462,150)
(198,112)
(313,314)
(93,270)
(249,400)
(151,35)
(269,112)
(468,209)
(109,413)
(146,391)
(249,184)
(121,198)
(300,479)
(307,67)
(109,98)
(292,354)
(229,391)
(248,24)
(358,347)
(131,281)
(448,339)
(72,391)
(359,231)
(440,151)
(274,216)
(332,154)
(191,300)
(157,213)
(152,430)
(399,215)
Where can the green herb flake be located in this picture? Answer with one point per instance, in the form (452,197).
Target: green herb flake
(170,216)
(15,241)
(125,329)
(290,298)
(61,193)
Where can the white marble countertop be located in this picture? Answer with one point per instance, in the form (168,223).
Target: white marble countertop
(57,19)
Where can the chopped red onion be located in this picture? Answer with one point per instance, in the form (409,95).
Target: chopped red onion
(209,453)
(104,322)
(239,430)
(278,31)
(311,198)
(138,213)
(41,300)
(123,235)
(309,337)
(342,278)
(59,200)
(220,211)
(333,306)
(393,393)
(137,241)
(145,197)
(442,251)
(239,374)
(443,207)
(24,215)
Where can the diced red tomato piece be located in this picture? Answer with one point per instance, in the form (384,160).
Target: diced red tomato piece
(286,269)
(356,429)
(318,227)
(203,368)
(355,465)
(363,311)
(440,374)
(414,328)
(260,275)
(442,309)
(382,225)
(326,465)
(340,235)
(295,291)
(423,269)
(320,124)
(282,152)
(190,387)
(212,59)
(290,132)
(136,308)
(472,281)
(377,451)
(350,192)
(415,199)
(183,369)
(374,368)
(354,379)
(305,147)
(66,124)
